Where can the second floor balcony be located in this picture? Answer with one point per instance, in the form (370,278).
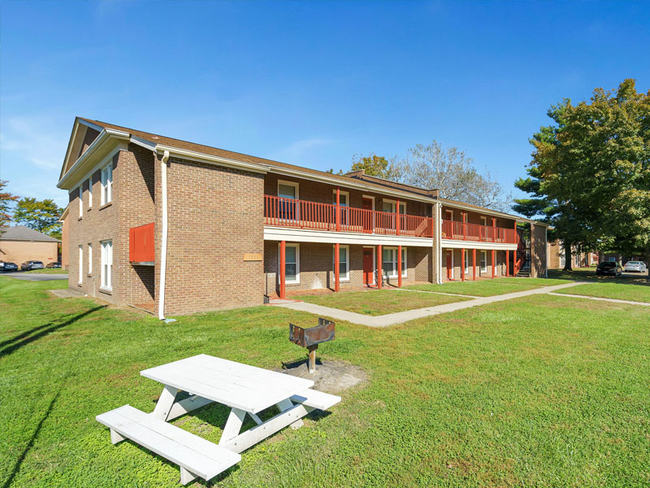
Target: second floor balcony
(478,233)
(302,214)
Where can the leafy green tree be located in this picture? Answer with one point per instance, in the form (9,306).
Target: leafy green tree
(374,165)
(6,199)
(42,216)
(593,166)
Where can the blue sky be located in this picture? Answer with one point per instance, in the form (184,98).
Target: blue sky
(309,83)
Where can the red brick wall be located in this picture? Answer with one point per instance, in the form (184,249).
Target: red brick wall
(215,216)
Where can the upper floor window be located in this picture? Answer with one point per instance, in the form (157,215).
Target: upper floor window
(107,184)
(90,192)
(81,200)
(288,189)
(390,206)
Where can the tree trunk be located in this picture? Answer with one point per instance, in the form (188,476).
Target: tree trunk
(567,256)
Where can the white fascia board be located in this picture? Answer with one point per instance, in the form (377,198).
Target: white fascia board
(106,141)
(350,184)
(317,236)
(497,246)
(143,142)
(206,158)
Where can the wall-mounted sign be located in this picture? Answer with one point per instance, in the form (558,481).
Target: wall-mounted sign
(253,256)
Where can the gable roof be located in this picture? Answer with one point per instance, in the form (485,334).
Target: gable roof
(22,233)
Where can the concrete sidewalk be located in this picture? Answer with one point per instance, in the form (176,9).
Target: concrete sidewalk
(612,300)
(401,317)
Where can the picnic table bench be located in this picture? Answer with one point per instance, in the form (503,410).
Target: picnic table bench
(247,390)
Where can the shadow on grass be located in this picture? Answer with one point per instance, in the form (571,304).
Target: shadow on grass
(30,444)
(589,275)
(12,345)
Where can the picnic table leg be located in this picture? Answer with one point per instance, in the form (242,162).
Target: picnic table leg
(233,425)
(165,403)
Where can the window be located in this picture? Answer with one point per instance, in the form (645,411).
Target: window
(389,262)
(483,261)
(389,206)
(344,262)
(483,220)
(107,184)
(81,264)
(344,198)
(288,191)
(291,264)
(90,259)
(81,200)
(466,262)
(107,265)
(90,192)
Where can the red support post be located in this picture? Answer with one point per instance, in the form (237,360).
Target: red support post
(494,265)
(462,265)
(338,210)
(464,227)
(337,266)
(399,266)
(473,264)
(507,262)
(397,218)
(283,269)
(379,271)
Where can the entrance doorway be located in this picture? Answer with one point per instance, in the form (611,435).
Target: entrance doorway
(368,266)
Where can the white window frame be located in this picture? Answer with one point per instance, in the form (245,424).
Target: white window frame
(81,264)
(106,265)
(286,280)
(449,214)
(466,261)
(343,277)
(368,197)
(90,193)
(484,220)
(342,193)
(402,206)
(81,200)
(289,183)
(107,183)
(90,259)
(484,261)
(394,273)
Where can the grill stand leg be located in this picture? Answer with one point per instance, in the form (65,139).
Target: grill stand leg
(312,358)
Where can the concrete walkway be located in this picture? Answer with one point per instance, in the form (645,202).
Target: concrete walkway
(36,276)
(613,300)
(401,317)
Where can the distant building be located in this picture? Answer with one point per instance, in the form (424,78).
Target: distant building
(19,244)
(557,259)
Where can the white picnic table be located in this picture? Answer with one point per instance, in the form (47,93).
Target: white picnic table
(246,390)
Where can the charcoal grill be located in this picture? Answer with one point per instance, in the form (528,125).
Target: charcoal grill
(312,336)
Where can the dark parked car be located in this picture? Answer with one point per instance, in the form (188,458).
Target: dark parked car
(10,267)
(53,265)
(609,268)
(30,265)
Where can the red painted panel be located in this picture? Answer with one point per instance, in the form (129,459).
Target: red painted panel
(142,246)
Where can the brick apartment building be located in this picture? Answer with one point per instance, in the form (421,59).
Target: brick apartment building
(176,227)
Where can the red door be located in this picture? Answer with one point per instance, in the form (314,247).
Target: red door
(368,267)
(368,217)
(450,266)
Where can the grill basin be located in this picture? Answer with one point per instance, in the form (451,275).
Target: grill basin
(311,337)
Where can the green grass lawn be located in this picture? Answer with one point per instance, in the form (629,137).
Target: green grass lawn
(540,391)
(378,302)
(48,271)
(487,288)
(618,290)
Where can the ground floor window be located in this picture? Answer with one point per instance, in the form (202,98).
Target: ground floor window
(90,259)
(466,262)
(107,265)
(81,264)
(483,261)
(291,264)
(389,262)
(344,262)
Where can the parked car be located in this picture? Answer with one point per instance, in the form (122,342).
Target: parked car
(53,265)
(636,266)
(10,267)
(609,268)
(30,265)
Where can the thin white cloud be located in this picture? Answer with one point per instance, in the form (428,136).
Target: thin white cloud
(35,140)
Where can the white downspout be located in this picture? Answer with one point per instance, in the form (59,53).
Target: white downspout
(163,236)
(439,243)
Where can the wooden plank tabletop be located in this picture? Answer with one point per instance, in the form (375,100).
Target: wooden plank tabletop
(227,382)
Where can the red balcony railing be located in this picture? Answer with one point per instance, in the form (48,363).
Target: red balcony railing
(302,214)
(476,232)
(142,246)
